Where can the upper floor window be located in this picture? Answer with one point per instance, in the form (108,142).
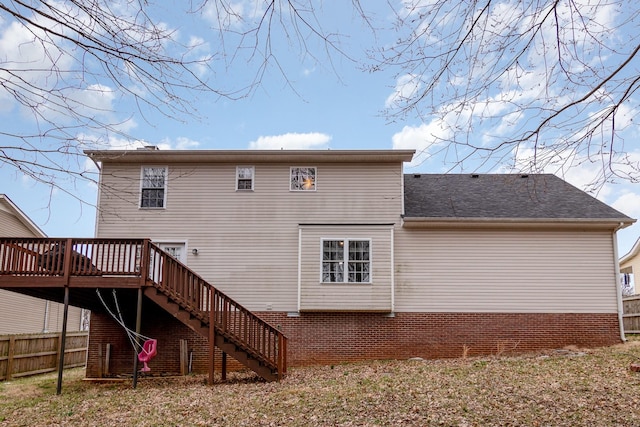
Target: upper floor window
(153,192)
(352,254)
(303,179)
(244,177)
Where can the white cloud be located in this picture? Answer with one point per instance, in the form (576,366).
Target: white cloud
(628,203)
(33,63)
(232,14)
(423,139)
(291,141)
(181,143)
(406,88)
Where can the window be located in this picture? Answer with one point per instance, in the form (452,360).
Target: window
(154,180)
(356,255)
(244,178)
(303,179)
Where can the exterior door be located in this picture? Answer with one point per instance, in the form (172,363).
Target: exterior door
(176,250)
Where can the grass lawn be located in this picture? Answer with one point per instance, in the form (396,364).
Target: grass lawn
(557,388)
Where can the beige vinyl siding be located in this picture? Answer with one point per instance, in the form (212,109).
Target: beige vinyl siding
(505,271)
(56,316)
(10,226)
(247,241)
(21,314)
(374,296)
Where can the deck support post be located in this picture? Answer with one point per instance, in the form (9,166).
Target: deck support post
(67,267)
(212,335)
(63,339)
(138,329)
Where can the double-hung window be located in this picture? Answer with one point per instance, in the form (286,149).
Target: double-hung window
(303,179)
(244,177)
(154,185)
(346,261)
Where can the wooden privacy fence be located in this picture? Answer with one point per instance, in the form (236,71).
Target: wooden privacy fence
(631,316)
(31,354)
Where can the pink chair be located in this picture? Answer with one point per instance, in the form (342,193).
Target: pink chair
(148,352)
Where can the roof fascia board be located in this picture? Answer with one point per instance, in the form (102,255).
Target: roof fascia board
(254,156)
(633,252)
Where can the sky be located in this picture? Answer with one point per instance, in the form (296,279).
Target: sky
(309,96)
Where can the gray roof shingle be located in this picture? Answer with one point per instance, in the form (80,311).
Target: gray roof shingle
(539,196)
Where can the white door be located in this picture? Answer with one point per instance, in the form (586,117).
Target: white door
(176,250)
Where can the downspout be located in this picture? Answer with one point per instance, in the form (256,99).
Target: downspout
(299,266)
(98,206)
(393,273)
(618,287)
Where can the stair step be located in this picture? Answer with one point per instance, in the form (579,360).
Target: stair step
(227,343)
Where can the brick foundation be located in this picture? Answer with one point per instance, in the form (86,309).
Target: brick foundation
(331,338)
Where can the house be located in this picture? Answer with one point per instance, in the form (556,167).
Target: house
(629,266)
(20,313)
(353,259)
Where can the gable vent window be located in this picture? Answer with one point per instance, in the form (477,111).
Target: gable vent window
(153,192)
(303,179)
(346,261)
(244,177)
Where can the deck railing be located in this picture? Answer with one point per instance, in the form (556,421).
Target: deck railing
(139,258)
(85,257)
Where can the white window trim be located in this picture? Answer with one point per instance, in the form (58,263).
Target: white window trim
(315,182)
(253,177)
(346,260)
(166,178)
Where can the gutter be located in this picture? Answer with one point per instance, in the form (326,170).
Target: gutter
(497,222)
(617,278)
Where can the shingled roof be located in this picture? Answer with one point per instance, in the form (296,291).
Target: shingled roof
(501,196)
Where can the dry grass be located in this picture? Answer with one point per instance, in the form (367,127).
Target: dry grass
(560,388)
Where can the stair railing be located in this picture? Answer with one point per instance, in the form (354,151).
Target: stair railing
(195,295)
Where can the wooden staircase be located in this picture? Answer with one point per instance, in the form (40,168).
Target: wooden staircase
(164,280)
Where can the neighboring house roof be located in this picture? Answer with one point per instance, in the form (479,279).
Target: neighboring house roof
(7,205)
(249,156)
(502,197)
(635,250)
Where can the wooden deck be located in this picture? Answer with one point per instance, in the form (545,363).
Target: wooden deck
(50,268)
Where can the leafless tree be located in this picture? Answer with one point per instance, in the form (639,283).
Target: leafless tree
(535,85)
(65,64)
(530,86)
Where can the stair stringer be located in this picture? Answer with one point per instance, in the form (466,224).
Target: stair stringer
(239,351)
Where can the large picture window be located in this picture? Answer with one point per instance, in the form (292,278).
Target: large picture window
(346,261)
(303,179)
(154,180)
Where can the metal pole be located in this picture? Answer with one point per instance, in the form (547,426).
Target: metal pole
(63,338)
(138,328)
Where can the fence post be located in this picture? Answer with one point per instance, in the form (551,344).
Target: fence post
(12,348)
